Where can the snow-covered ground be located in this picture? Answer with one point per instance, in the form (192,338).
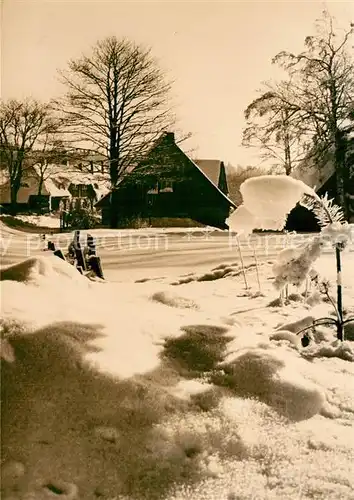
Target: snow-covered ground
(184,385)
(53,222)
(49,221)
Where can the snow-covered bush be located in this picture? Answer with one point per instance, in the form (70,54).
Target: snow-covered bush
(81,216)
(294,264)
(337,233)
(267,202)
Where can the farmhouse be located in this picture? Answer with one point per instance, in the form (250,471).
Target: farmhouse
(169,184)
(49,187)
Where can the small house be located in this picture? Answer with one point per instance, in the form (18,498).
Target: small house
(168,184)
(54,188)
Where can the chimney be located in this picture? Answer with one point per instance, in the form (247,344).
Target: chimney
(170,137)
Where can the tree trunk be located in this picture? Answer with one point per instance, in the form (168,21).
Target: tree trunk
(113,156)
(113,170)
(287,148)
(15,181)
(15,187)
(113,212)
(347,176)
(288,166)
(40,185)
(339,164)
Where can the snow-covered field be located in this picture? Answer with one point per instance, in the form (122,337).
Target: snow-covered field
(184,385)
(41,220)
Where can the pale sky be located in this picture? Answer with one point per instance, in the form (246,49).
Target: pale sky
(217,53)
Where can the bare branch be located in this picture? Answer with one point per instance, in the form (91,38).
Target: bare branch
(24,126)
(117,101)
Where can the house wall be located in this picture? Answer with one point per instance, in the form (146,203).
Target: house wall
(29,186)
(193,195)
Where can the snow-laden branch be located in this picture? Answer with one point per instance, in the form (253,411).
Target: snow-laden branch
(267,201)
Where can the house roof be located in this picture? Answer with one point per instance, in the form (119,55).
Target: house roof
(55,189)
(211,169)
(232,204)
(312,174)
(62,176)
(56,183)
(87,155)
(316,174)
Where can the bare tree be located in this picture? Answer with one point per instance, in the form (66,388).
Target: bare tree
(237,175)
(275,128)
(117,100)
(322,83)
(22,123)
(50,156)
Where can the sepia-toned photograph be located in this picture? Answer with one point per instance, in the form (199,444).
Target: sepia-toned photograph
(177,250)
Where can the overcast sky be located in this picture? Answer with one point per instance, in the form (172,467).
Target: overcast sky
(217,53)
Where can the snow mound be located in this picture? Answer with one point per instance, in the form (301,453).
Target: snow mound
(199,349)
(281,335)
(298,325)
(25,271)
(222,271)
(264,374)
(172,300)
(95,415)
(35,269)
(336,349)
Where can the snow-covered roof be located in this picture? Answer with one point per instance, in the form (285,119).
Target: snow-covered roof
(312,174)
(211,169)
(211,165)
(57,179)
(100,192)
(67,175)
(55,190)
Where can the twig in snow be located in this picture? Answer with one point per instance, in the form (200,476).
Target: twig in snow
(257,269)
(242,263)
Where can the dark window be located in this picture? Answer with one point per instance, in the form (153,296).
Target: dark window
(154,189)
(78,190)
(82,190)
(165,186)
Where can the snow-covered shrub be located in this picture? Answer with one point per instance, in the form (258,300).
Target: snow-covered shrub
(337,233)
(81,217)
(294,264)
(267,202)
